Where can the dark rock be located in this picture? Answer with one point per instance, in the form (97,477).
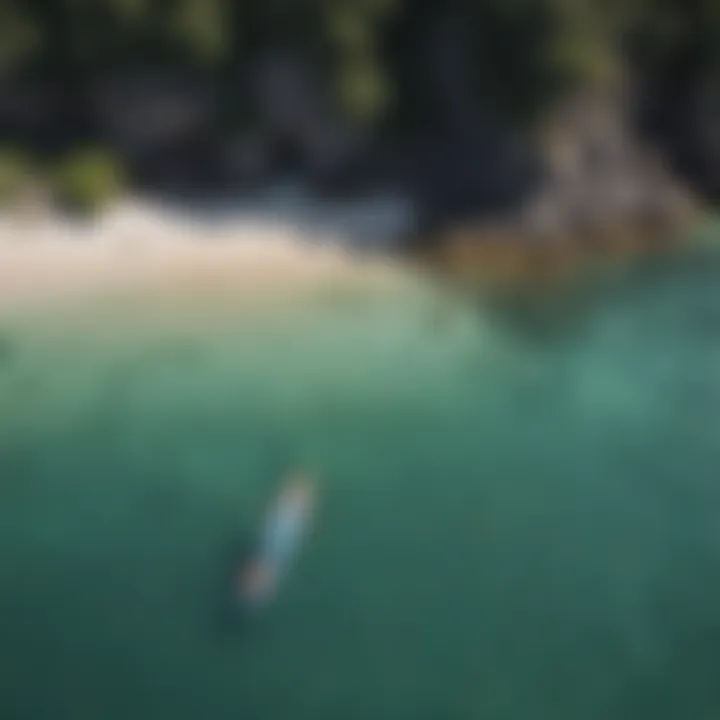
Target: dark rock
(30,114)
(703,136)
(296,113)
(680,113)
(463,161)
(145,112)
(247,160)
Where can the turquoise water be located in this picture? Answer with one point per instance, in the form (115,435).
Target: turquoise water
(520,515)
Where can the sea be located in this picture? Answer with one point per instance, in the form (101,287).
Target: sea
(518,513)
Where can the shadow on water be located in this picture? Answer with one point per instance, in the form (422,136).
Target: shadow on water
(553,317)
(545,317)
(229,621)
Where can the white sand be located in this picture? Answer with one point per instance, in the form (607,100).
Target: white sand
(44,260)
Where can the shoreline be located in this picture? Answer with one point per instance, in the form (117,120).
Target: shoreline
(140,250)
(46,260)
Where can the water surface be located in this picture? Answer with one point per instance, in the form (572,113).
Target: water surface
(513,524)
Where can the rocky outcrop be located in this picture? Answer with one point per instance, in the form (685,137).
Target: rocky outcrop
(599,176)
(602,193)
(692,136)
(162,122)
(144,111)
(464,161)
(705,129)
(299,119)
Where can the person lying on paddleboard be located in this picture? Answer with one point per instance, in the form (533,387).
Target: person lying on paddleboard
(285,526)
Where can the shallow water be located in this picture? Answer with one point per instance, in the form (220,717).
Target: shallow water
(513,524)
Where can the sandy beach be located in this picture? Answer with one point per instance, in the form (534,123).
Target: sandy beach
(45,260)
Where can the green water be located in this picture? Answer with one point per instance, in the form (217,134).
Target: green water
(517,520)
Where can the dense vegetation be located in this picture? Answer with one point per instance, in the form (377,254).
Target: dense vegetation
(386,63)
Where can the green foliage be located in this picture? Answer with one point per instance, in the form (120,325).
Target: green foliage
(361,81)
(15,172)
(19,36)
(201,27)
(522,51)
(361,89)
(87,181)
